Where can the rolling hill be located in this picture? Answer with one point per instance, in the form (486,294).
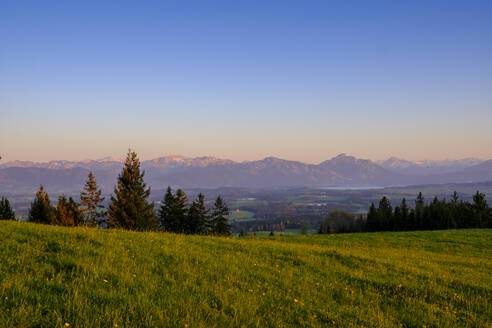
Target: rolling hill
(81,277)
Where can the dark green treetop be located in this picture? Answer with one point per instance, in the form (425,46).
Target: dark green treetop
(197,218)
(6,211)
(129,207)
(67,212)
(90,199)
(41,210)
(219,223)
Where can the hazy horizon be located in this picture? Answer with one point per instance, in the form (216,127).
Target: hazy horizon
(244,81)
(122,157)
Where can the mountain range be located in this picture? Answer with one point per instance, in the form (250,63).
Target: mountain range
(427,167)
(210,172)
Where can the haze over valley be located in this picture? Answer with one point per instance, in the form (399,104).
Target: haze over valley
(210,172)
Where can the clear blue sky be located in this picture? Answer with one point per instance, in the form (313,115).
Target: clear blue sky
(301,80)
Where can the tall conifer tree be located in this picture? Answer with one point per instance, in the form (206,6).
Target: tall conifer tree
(219,222)
(41,210)
(90,199)
(418,217)
(482,214)
(372,221)
(129,207)
(385,213)
(67,212)
(180,210)
(197,217)
(404,215)
(167,218)
(6,211)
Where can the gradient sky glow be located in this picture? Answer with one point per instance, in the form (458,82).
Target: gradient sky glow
(302,80)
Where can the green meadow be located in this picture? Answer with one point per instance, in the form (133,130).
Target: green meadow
(241,215)
(80,277)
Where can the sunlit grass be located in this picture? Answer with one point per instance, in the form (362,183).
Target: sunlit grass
(53,276)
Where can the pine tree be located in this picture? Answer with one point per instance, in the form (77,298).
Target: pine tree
(396,223)
(41,210)
(219,223)
(90,199)
(129,208)
(197,217)
(167,218)
(385,213)
(372,221)
(455,209)
(481,212)
(74,210)
(67,212)
(6,211)
(405,217)
(180,211)
(418,213)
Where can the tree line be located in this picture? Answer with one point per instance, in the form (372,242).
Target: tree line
(434,215)
(129,207)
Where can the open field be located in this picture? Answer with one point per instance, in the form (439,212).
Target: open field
(241,215)
(84,277)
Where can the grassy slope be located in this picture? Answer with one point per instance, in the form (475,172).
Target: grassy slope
(50,276)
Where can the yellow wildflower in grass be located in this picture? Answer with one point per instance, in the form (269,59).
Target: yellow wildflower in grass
(296,300)
(67,324)
(134,276)
(105,281)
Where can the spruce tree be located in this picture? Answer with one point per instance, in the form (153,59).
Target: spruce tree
(197,217)
(396,223)
(6,211)
(75,212)
(372,221)
(41,210)
(180,211)
(167,218)
(129,207)
(219,223)
(482,215)
(67,212)
(418,217)
(404,215)
(90,199)
(385,213)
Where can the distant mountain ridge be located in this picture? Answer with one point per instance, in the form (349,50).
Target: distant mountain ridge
(211,172)
(426,167)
